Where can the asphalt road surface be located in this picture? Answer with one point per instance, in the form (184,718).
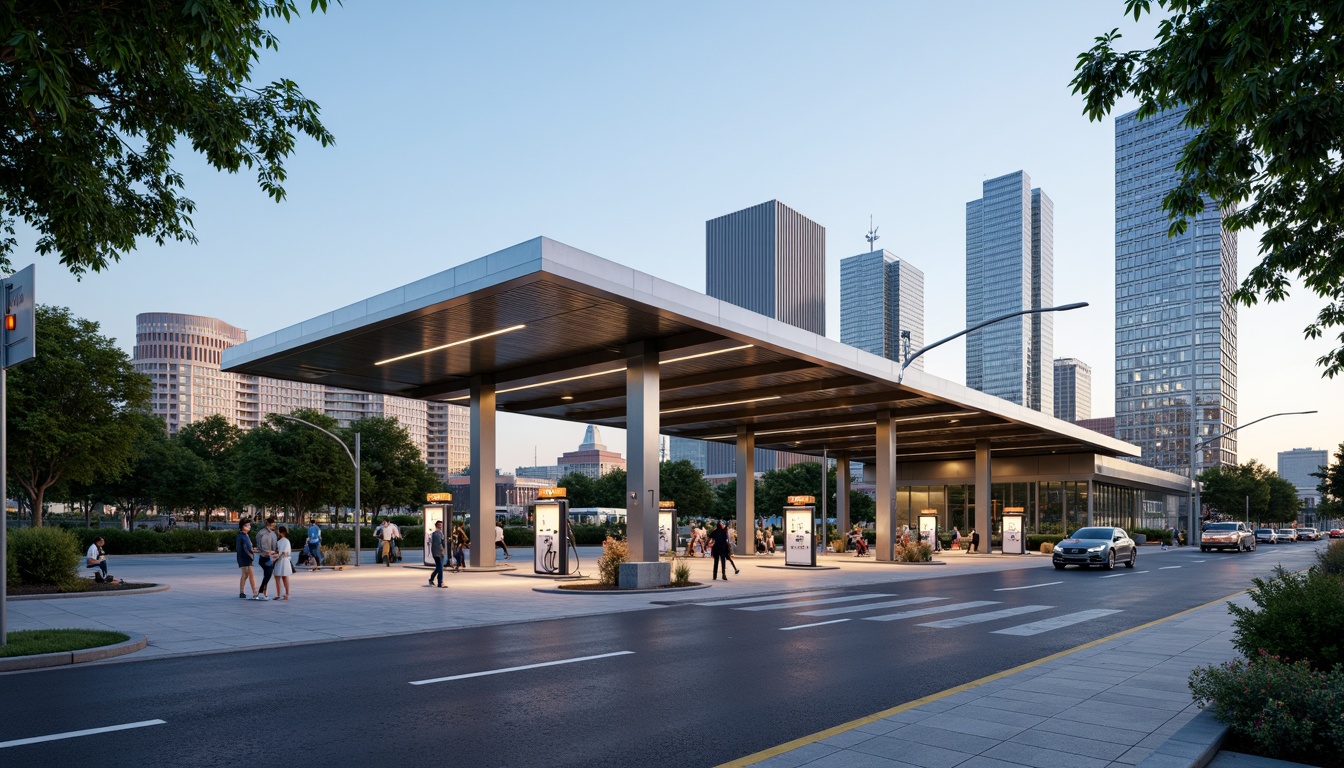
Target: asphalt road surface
(695,683)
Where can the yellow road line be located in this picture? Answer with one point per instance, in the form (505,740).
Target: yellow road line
(852,724)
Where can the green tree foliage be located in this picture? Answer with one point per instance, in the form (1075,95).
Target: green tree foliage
(393,473)
(681,482)
(282,463)
(214,440)
(1261,81)
(185,481)
(803,479)
(725,501)
(73,409)
(133,491)
(95,97)
(579,489)
(1229,490)
(609,490)
(1331,486)
(862,507)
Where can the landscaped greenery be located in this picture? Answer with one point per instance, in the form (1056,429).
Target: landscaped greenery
(29,642)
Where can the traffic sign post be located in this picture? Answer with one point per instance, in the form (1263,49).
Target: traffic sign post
(18,344)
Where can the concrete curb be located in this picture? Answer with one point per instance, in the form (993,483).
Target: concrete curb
(66,595)
(659,590)
(62,658)
(1193,746)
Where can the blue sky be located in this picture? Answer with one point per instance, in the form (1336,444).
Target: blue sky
(620,128)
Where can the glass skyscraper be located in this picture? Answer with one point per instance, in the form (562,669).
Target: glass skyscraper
(1010,251)
(1175,325)
(880,297)
(1073,389)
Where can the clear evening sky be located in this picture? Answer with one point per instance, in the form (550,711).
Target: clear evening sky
(620,128)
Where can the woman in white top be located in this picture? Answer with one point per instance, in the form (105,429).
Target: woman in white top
(283,566)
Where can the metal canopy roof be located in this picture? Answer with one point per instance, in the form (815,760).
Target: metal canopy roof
(561,320)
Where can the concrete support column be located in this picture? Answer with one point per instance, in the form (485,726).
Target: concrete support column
(746,491)
(842,496)
(641,451)
(886,486)
(482,512)
(984,495)
(1091,502)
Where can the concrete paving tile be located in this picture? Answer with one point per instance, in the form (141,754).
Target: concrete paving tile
(973,726)
(846,739)
(1039,708)
(1169,704)
(955,741)
(1124,736)
(881,727)
(1040,757)
(981,761)
(1024,695)
(912,752)
(1000,716)
(852,759)
(909,716)
(1103,713)
(1078,745)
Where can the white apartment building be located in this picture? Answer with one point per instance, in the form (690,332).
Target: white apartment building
(180,354)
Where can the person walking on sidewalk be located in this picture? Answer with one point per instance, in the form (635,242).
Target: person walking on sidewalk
(499,540)
(243,548)
(438,547)
(461,543)
(266,555)
(283,567)
(314,543)
(719,550)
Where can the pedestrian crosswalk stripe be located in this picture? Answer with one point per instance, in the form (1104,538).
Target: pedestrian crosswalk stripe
(870,606)
(977,618)
(818,624)
(1045,625)
(768,598)
(934,609)
(819,601)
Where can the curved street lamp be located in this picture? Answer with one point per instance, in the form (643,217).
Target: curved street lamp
(1195,503)
(354,459)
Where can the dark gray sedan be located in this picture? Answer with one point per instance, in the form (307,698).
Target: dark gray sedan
(1096,546)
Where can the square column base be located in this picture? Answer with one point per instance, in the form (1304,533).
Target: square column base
(644,575)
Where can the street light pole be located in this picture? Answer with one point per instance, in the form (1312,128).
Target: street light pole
(354,459)
(910,357)
(1195,505)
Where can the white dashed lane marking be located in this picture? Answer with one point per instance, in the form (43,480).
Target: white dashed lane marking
(934,609)
(977,618)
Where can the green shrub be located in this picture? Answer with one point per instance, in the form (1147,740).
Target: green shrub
(1287,709)
(1154,534)
(402,521)
(43,556)
(1047,547)
(1331,559)
(914,552)
(335,554)
(1035,540)
(614,552)
(146,541)
(519,536)
(681,572)
(1300,618)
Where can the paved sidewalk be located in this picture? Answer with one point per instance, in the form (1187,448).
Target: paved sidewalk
(1111,703)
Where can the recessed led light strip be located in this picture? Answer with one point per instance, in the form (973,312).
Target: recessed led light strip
(590,375)
(452,344)
(720,405)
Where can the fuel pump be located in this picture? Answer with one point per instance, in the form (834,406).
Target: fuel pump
(439,511)
(552,540)
(799,517)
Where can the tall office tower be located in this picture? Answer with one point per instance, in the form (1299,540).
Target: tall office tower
(1170,339)
(1010,234)
(772,260)
(1296,466)
(1073,389)
(180,355)
(881,297)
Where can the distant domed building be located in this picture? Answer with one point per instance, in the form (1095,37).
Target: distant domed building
(592,457)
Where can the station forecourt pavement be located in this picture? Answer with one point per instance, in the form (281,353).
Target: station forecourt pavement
(1009,719)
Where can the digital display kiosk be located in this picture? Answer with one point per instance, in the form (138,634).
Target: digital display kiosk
(551,543)
(928,527)
(667,527)
(799,545)
(1014,542)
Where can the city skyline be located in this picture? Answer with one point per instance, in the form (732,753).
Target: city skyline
(641,145)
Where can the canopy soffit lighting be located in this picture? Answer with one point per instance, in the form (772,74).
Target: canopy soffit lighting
(553,328)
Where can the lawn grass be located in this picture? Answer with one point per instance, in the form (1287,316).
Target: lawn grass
(29,642)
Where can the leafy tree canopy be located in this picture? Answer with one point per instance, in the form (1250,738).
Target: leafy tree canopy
(393,472)
(1249,490)
(1263,83)
(285,463)
(579,489)
(681,482)
(74,409)
(94,97)
(609,490)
